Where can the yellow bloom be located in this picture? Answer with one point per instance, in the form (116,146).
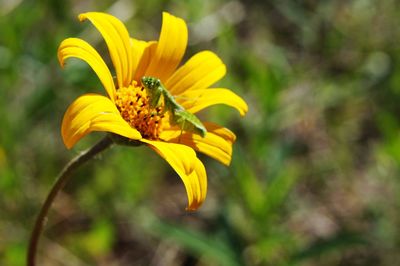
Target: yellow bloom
(126,111)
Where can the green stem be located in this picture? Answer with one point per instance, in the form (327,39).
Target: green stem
(58,185)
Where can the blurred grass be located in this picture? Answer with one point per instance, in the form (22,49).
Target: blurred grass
(315,173)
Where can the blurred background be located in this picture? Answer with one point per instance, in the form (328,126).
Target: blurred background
(314,178)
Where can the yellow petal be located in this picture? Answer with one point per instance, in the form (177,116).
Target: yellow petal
(142,52)
(184,161)
(137,48)
(217,143)
(74,47)
(199,72)
(118,42)
(194,101)
(199,186)
(170,49)
(220,131)
(93,112)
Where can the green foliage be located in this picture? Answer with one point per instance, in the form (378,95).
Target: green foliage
(314,178)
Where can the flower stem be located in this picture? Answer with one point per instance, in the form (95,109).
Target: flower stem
(58,185)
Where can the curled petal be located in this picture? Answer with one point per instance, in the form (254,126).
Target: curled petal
(217,143)
(74,47)
(93,112)
(199,186)
(184,161)
(170,49)
(194,101)
(199,72)
(117,38)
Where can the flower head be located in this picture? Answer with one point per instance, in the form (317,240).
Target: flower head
(129,111)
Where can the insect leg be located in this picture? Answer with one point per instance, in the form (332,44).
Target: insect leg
(182,127)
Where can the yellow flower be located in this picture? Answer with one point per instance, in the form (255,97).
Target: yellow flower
(126,111)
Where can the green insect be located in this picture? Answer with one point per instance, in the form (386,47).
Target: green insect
(179,116)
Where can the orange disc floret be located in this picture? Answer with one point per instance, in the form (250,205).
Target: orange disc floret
(133,104)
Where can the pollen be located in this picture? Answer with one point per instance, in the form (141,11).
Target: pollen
(133,104)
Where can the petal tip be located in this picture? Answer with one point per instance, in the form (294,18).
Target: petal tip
(192,208)
(82,17)
(68,144)
(245,108)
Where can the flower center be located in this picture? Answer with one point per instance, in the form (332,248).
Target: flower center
(133,104)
